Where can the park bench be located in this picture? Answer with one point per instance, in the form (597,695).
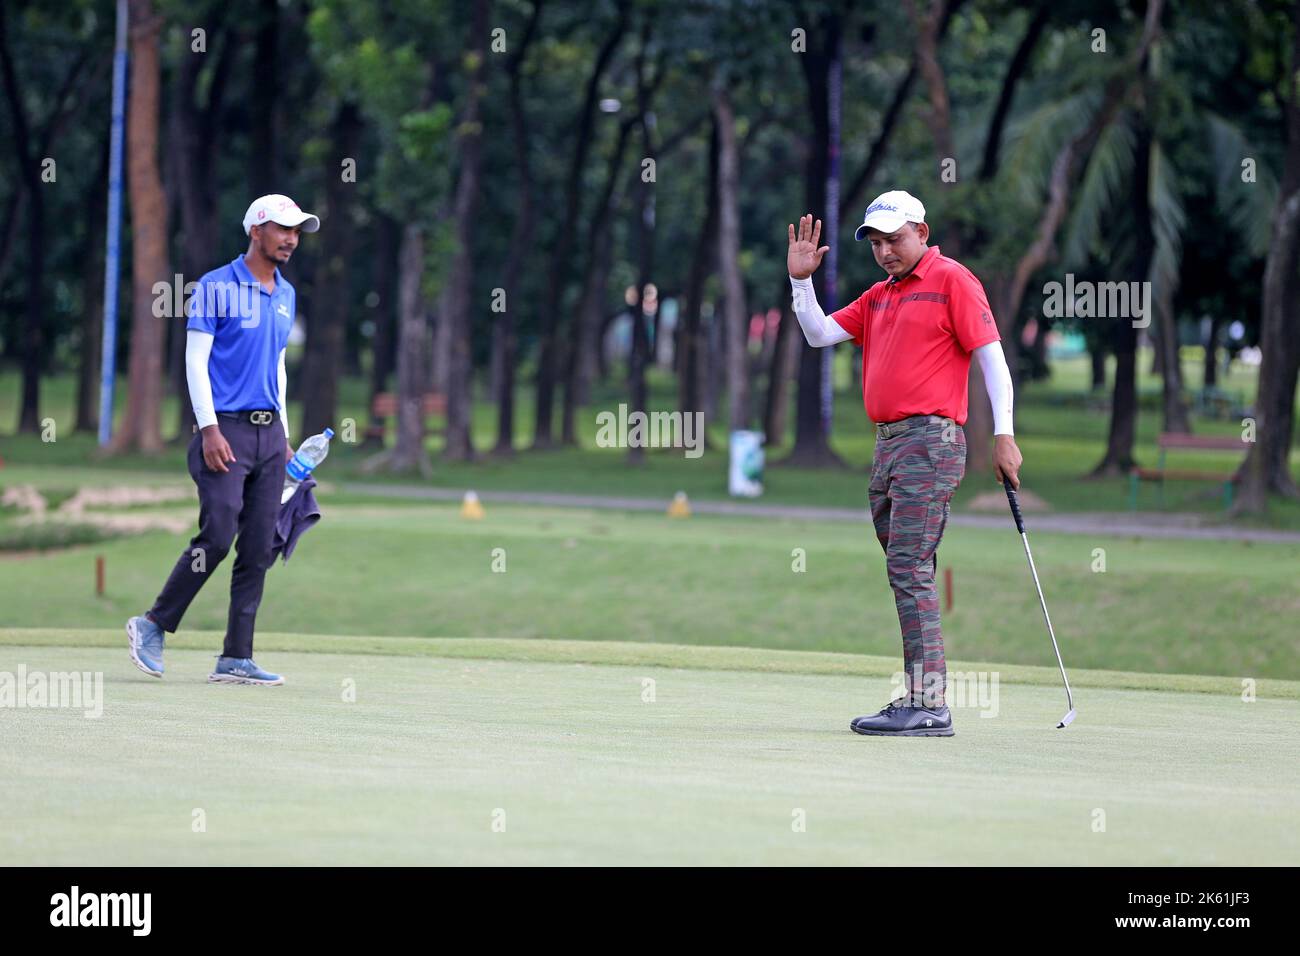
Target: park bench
(1180,440)
(384,406)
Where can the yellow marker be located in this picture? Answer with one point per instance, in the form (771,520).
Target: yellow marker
(471,507)
(680,507)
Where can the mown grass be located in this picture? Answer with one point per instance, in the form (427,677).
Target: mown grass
(1160,606)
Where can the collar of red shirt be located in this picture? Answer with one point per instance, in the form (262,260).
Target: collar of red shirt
(922,265)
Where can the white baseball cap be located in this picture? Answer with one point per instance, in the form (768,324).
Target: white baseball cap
(278,209)
(889,211)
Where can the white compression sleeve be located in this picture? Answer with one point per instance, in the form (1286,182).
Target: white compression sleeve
(198,348)
(997,382)
(818,328)
(282,380)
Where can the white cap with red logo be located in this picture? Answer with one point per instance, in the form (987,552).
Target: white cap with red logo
(278,209)
(889,211)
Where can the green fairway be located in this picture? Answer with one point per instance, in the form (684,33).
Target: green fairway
(1060,431)
(1195,607)
(575,763)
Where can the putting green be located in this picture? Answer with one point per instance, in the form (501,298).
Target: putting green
(516,754)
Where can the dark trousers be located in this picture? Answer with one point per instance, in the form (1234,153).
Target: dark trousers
(243,501)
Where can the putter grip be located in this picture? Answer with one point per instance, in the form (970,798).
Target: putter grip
(1014,501)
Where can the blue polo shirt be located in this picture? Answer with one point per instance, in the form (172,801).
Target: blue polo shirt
(249,326)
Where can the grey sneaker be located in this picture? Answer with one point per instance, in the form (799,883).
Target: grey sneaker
(144,640)
(242,670)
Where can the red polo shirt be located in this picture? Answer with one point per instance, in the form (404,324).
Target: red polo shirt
(917,335)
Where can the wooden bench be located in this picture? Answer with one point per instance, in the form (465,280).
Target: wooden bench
(384,406)
(1181,440)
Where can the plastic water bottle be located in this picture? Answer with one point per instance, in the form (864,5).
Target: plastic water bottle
(309,454)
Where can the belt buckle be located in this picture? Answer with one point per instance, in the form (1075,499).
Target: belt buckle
(260,417)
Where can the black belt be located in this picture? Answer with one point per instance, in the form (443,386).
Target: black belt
(258,416)
(890,429)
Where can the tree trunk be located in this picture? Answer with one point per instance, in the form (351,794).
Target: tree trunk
(1123,411)
(92,304)
(388,237)
(1119,459)
(264,158)
(580,359)
(812,434)
(323,351)
(29,416)
(141,424)
(593,314)
(784,356)
(30,149)
(440,358)
(15,210)
(715,362)
(1039,368)
(1266,468)
(1016,70)
(925,28)
(31,188)
(645,243)
(194,126)
(1175,408)
(1210,368)
(929,28)
(548,365)
(186,163)
(691,342)
(456,293)
(505,344)
(1069,163)
(1097,365)
(735,316)
(579,356)
(408,452)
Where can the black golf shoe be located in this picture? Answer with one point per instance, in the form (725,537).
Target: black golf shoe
(900,721)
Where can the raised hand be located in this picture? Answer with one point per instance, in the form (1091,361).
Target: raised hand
(804,256)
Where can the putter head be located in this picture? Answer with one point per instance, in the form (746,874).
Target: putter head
(1067,719)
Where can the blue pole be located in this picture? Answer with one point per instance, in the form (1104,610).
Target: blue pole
(114,231)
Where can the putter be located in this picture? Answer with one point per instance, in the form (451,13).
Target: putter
(1014,500)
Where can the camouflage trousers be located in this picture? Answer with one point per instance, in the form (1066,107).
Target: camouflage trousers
(917,465)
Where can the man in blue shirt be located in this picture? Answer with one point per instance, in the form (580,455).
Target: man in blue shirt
(239,318)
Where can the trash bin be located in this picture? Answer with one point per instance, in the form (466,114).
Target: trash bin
(745,474)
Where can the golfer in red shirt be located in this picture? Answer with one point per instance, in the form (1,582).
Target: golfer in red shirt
(918,330)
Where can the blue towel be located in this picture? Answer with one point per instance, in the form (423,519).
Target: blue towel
(296,515)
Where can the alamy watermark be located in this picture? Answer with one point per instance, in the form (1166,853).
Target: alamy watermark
(61,689)
(1098,300)
(651,430)
(214,299)
(976,689)
(129,910)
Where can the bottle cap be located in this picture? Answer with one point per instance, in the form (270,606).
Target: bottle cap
(329,433)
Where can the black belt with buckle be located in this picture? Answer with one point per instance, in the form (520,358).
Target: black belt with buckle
(890,429)
(260,416)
